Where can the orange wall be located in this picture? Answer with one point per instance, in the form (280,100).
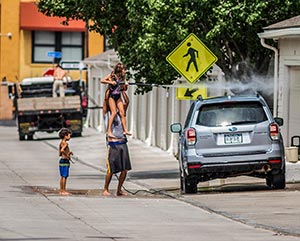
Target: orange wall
(9,47)
(15,53)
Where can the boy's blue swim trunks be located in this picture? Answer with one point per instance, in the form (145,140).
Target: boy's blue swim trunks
(64,166)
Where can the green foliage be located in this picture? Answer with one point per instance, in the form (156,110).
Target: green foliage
(144,32)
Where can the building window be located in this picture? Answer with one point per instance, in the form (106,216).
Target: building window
(70,44)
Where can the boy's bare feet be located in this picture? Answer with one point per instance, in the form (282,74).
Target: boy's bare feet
(65,193)
(106,193)
(121,193)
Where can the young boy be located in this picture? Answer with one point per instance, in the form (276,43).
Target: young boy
(65,156)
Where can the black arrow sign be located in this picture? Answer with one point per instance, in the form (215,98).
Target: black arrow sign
(189,93)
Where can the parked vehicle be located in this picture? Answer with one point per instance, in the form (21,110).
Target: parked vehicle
(230,136)
(38,111)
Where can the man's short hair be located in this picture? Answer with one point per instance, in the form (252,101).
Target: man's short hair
(64,132)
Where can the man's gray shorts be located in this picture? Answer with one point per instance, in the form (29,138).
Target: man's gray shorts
(118,158)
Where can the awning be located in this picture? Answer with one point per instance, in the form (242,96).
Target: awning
(32,19)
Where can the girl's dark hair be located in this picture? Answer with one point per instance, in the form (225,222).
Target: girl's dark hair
(64,132)
(118,70)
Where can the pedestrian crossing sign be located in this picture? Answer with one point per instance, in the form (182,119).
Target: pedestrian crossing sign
(191,58)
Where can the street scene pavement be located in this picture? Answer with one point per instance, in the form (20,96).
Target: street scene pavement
(32,209)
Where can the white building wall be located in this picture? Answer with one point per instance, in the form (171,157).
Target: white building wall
(289,57)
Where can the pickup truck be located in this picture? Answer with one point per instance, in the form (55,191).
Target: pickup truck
(38,111)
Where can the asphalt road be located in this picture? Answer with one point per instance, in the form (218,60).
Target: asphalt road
(31,209)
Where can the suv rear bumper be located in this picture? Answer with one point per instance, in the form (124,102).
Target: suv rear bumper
(259,168)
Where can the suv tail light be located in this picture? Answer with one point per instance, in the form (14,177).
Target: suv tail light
(194,165)
(274,131)
(191,136)
(273,161)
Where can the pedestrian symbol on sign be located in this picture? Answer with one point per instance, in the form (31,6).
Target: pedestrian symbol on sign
(193,53)
(185,58)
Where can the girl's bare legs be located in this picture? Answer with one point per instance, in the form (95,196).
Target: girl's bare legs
(113,113)
(105,102)
(120,105)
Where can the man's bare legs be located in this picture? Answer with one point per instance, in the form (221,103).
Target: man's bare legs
(122,178)
(106,184)
(108,177)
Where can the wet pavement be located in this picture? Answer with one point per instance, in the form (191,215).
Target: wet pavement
(31,209)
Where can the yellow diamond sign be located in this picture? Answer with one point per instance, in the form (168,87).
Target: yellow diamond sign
(191,58)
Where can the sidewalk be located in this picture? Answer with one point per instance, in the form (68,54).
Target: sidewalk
(152,168)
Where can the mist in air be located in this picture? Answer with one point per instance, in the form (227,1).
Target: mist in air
(254,84)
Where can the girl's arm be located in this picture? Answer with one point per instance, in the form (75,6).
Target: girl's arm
(108,80)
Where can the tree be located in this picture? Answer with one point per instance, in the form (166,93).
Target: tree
(144,32)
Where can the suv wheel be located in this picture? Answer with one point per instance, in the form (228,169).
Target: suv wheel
(278,181)
(188,184)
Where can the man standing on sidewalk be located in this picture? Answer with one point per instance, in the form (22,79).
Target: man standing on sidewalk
(118,159)
(59,75)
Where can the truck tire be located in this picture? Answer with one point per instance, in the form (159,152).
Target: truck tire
(188,184)
(30,137)
(21,137)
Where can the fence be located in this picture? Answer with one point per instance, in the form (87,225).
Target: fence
(149,116)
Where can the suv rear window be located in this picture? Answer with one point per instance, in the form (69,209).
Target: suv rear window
(224,114)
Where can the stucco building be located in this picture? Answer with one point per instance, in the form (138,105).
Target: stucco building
(27,36)
(284,37)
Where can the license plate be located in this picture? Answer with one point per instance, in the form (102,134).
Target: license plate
(233,138)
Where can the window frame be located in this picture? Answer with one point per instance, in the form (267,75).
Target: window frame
(57,46)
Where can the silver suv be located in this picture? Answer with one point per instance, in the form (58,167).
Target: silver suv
(230,136)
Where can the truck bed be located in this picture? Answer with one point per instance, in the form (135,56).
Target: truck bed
(48,103)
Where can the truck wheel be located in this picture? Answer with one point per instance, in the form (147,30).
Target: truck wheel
(30,137)
(21,137)
(188,185)
(278,181)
